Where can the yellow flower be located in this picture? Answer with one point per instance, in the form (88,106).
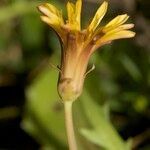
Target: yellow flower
(78,45)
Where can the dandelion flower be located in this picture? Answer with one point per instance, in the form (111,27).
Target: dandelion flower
(79,44)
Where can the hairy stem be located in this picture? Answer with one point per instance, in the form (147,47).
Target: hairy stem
(69,125)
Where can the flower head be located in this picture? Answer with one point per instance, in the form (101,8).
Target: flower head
(78,44)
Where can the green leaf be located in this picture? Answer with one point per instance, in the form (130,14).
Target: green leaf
(102,132)
(44,116)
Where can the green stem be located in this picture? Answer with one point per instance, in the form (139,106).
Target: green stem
(69,125)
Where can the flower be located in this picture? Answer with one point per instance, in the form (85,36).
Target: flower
(78,45)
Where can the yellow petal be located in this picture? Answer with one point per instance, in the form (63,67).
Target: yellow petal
(50,21)
(52,8)
(70,11)
(98,16)
(74,15)
(117,21)
(55,25)
(47,9)
(126,26)
(78,13)
(117,35)
(120,28)
(51,12)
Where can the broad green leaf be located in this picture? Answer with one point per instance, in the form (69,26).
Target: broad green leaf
(102,132)
(44,116)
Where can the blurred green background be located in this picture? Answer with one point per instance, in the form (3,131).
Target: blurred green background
(116,95)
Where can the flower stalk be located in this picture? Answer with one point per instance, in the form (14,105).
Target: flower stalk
(69,125)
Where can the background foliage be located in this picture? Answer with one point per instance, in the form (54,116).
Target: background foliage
(116,94)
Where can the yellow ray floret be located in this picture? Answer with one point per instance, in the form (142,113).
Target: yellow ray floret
(117,21)
(78,13)
(74,15)
(51,15)
(115,29)
(116,35)
(98,17)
